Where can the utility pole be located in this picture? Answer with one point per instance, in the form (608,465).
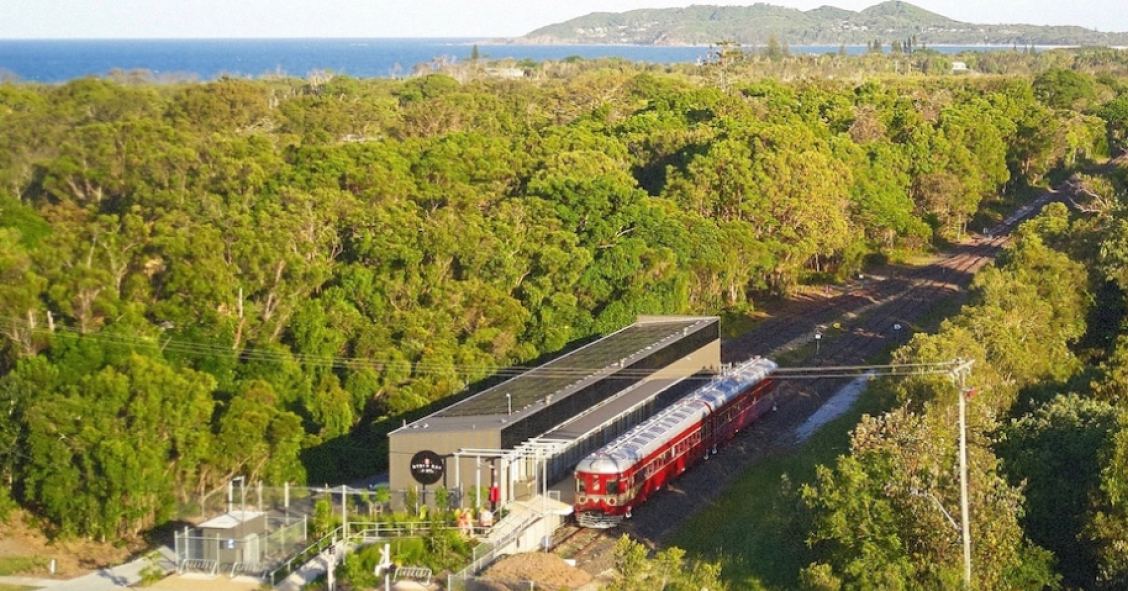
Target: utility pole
(960,373)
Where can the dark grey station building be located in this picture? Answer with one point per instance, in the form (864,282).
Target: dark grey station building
(531,430)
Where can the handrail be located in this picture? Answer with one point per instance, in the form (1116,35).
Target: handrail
(478,564)
(203,564)
(409,528)
(288,566)
(372,530)
(243,567)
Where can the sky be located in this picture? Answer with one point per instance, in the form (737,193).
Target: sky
(149,19)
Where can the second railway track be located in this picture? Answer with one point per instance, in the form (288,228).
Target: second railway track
(869,312)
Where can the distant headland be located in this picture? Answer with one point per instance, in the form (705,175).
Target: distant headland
(757,24)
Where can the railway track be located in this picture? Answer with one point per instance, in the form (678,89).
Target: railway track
(868,312)
(950,273)
(591,549)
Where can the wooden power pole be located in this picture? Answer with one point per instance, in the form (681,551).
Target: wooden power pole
(960,372)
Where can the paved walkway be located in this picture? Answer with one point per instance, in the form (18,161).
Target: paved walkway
(106,579)
(30,582)
(835,407)
(202,582)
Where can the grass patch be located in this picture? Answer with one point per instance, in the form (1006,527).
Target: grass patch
(734,324)
(812,348)
(758,529)
(18,565)
(6,587)
(795,356)
(947,308)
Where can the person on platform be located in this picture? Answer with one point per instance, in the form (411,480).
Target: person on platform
(464,524)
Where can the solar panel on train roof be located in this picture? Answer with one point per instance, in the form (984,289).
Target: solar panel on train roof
(564,374)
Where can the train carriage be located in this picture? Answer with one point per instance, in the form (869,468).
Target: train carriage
(619,476)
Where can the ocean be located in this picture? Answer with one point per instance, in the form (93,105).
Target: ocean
(53,61)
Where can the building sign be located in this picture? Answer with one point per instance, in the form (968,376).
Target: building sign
(426,467)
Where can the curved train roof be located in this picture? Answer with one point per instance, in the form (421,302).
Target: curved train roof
(646,438)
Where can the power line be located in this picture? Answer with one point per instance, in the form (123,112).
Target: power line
(416,368)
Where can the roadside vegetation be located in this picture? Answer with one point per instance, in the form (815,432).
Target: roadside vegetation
(1046,432)
(261,278)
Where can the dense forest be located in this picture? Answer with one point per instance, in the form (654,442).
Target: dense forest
(262,277)
(1048,426)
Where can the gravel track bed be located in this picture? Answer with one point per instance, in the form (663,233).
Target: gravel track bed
(867,310)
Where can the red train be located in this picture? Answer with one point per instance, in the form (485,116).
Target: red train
(622,474)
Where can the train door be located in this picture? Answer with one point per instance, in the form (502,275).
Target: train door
(707,430)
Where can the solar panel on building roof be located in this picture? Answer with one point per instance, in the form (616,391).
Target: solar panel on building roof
(565,373)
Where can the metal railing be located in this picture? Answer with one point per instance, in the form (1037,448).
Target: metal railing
(305,555)
(245,568)
(279,537)
(479,563)
(358,532)
(419,574)
(210,567)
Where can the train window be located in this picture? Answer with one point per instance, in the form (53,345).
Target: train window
(595,484)
(580,485)
(612,487)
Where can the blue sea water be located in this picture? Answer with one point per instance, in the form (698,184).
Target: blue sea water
(61,60)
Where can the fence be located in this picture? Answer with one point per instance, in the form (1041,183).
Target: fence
(300,500)
(282,547)
(360,533)
(495,550)
(252,553)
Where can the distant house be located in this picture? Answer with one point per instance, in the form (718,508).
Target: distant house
(507,73)
(959,67)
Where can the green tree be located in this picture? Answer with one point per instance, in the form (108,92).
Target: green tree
(227,105)
(1059,88)
(130,440)
(669,569)
(878,524)
(776,50)
(256,439)
(1064,436)
(1109,518)
(1115,114)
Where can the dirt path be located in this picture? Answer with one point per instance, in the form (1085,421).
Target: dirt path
(19,539)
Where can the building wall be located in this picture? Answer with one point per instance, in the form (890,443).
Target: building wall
(698,351)
(234,544)
(403,445)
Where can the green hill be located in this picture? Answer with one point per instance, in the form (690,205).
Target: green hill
(826,25)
